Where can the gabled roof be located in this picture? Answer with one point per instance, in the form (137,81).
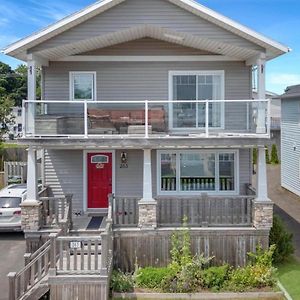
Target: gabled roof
(19,48)
(291,92)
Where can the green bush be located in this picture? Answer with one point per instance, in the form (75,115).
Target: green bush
(283,241)
(152,277)
(121,283)
(215,277)
(259,273)
(274,155)
(254,156)
(267,155)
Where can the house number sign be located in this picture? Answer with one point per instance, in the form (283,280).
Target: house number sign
(99,166)
(75,245)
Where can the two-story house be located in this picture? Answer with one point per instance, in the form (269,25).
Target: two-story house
(151,100)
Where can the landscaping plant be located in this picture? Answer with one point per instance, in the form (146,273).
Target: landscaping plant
(189,274)
(121,283)
(267,155)
(274,155)
(283,241)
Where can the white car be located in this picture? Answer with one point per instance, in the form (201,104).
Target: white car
(10,211)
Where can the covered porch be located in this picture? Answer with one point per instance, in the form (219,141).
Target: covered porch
(148,188)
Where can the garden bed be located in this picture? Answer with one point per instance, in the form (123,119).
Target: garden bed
(201,296)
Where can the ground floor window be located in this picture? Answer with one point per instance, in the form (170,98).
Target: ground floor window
(197,171)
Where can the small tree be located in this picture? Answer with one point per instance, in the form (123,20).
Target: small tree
(6,117)
(274,155)
(267,155)
(283,241)
(254,157)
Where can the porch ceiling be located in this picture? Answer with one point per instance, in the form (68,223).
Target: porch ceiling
(159,33)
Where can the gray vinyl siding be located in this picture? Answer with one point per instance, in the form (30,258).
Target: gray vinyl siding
(290,138)
(245,169)
(64,174)
(147,80)
(133,13)
(147,46)
(141,80)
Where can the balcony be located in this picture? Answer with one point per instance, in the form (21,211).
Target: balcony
(147,119)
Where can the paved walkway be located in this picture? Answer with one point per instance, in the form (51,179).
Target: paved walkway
(287,205)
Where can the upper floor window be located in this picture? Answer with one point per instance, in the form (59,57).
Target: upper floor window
(83,86)
(196,85)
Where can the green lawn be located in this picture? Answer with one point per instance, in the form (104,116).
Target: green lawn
(11,145)
(289,276)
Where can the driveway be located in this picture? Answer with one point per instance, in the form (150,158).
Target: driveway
(12,249)
(287,205)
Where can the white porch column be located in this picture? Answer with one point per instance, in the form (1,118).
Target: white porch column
(262,185)
(261,92)
(31,95)
(147,205)
(147,177)
(32,181)
(31,207)
(262,205)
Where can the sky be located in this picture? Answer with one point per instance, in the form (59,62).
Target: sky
(277,19)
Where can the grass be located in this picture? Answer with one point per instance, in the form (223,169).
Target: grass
(289,276)
(11,146)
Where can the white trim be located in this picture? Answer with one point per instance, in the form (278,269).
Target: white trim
(100,7)
(71,85)
(197,73)
(85,183)
(216,192)
(145,58)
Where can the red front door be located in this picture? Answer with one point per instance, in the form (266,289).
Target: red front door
(99,179)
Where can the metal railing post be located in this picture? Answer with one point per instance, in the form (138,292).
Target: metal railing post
(207,118)
(85,120)
(23,119)
(146,119)
(269,117)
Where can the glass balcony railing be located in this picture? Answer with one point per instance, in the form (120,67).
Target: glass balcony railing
(147,119)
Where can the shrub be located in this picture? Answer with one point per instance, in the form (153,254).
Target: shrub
(267,155)
(254,157)
(283,241)
(258,273)
(152,277)
(215,277)
(121,283)
(181,248)
(274,155)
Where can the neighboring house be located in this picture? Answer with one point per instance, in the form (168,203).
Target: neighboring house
(290,139)
(275,120)
(15,129)
(150,100)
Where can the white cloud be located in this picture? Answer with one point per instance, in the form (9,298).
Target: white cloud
(278,82)
(285,79)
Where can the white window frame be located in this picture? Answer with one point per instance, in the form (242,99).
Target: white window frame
(217,190)
(71,85)
(196,73)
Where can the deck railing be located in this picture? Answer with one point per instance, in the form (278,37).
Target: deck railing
(57,211)
(147,119)
(204,211)
(36,269)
